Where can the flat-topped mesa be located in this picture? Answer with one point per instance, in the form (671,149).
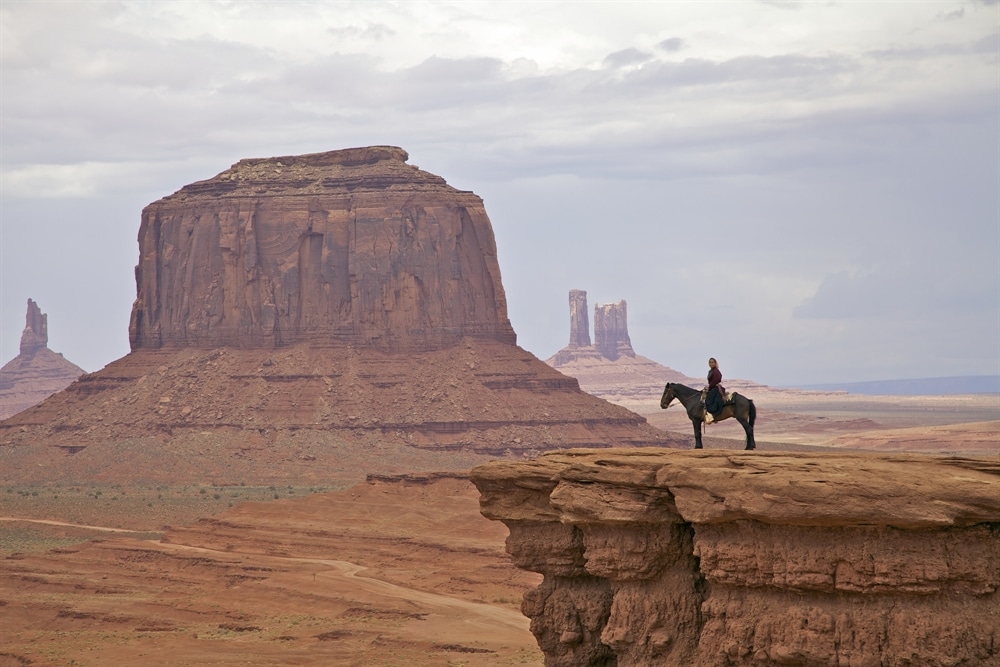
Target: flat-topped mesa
(36,330)
(346,247)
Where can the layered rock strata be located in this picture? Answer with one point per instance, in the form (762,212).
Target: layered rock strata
(724,559)
(313,317)
(352,246)
(36,372)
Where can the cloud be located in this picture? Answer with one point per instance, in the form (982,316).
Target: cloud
(626,57)
(954,15)
(793,182)
(671,44)
(45,181)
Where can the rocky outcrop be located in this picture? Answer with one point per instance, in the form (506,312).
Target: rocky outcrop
(36,372)
(315,317)
(722,559)
(611,330)
(579,323)
(36,330)
(610,368)
(347,247)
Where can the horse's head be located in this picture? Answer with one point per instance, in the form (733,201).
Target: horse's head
(668,395)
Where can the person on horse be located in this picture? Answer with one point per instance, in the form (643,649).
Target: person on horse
(715,395)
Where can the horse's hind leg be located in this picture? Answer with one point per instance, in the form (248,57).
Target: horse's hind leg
(697,434)
(751,444)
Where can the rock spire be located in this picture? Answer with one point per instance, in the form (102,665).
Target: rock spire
(37,372)
(36,330)
(579,324)
(611,330)
(611,339)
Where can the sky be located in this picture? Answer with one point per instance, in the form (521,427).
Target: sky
(807,191)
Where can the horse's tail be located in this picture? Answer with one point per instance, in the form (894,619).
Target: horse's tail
(753,413)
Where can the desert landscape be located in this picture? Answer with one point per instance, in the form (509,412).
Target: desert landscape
(395,570)
(325,396)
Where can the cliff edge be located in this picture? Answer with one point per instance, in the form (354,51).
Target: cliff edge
(723,558)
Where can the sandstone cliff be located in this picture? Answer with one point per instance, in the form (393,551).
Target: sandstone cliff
(316,318)
(351,246)
(36,372)
(722,559)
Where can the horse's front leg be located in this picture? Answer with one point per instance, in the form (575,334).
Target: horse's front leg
(697,434)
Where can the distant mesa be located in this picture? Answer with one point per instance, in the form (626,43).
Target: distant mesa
(609,367)
(316,317)
(36,372)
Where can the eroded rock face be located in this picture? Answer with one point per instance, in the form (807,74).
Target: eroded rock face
(36,330)
(610,368)
(722,559)
(37,372)
(347,247)
(315,318)
(611,330)
(579,323)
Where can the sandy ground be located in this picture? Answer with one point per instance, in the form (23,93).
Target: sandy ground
(380,574)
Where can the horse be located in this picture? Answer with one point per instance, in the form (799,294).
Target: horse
(740,408)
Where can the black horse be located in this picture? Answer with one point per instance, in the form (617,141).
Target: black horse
(741,408)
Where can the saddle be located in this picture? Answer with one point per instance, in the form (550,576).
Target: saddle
(727,399)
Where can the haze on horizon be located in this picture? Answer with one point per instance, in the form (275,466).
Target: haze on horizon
(806,190)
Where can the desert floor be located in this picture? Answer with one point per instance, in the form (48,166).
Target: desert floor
(384,573)
(402,572)
(967,424)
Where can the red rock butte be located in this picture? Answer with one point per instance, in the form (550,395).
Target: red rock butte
(350,246)
(314,317)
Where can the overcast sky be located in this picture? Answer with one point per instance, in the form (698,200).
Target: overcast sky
(806,190)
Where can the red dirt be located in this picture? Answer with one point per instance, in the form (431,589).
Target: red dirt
(388,572)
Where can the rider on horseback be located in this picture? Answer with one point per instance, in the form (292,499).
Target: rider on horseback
(715,395)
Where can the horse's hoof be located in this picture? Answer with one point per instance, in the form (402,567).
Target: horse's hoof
(698,447)
(749,448)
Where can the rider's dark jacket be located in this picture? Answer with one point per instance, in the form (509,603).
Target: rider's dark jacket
(714,377)
(715,399)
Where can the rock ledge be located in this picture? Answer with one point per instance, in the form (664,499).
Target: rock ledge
(724,558)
